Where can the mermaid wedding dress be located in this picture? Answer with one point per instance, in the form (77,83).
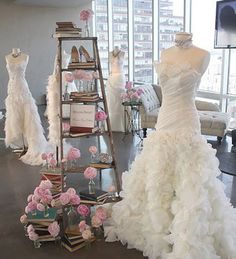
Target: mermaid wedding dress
(173,205)
(115,87)
(23,126)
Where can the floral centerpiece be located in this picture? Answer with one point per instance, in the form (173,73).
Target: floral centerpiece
(86,15)
(90,173)
(131,95)
(101,116)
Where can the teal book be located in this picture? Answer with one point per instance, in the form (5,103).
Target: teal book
(41,217)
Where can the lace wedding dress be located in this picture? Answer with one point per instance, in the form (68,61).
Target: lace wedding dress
(174,206)
(23,126)
(115,87)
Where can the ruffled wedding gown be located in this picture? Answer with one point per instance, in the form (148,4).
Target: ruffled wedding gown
(115,87)
(174,206)
(23,125)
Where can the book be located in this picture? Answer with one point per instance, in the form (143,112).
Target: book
(70,247)
(77,94)
(39,217)
(93,202)
(101,165)
(75,130)
(67,29)
(66,24)
(66,35)
(99,195)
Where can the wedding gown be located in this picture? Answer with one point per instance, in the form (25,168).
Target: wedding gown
(173,205)
(115,87)
(23,126)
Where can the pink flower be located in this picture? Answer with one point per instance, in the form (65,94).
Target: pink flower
(93,149)
(135,96)
(96,221)
(45,184)
(66,126)
(30,228)
(140,91)
(85,15)
(86,234)
(100,116)
(64,198)
(73,154)
(82,225)
(32,205)
(101,213)
(29,198)
(71,191)
(128,85)
(75,199)
(83,210)
(54,229)
(46,199)
(44,156)
(90,173)
(69,77)
(79,74)
(40,207)
(53,162)
(50,155)
(23,219)
(33,236)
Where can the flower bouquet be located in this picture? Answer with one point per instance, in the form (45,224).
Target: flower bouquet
(131,95)
(86,15)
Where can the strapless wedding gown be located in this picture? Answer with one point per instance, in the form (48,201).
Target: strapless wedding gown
(174,206)
(23,125)
(115,87)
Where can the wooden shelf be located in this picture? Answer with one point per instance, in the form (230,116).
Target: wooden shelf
(85,134)
(84,68)
(65,38)
(81,169)
(80,101)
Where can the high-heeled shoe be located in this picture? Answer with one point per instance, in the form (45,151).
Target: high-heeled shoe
(74,55)
(84,52)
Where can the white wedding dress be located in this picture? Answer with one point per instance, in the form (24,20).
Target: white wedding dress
(115,87)
(174,206)
(23,126)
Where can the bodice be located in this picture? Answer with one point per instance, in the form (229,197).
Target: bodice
(117,63)
(16,68)
(178,83)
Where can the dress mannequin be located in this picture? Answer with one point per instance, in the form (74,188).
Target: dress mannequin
(185,52)
(23,126)
(115,87)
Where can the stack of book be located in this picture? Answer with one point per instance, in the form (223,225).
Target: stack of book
(40,224)
(84,97)
(67,29)
(100,197)
(82,65)
(56,180)
(73,240)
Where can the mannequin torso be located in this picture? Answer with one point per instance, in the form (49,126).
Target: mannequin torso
(187,53)
(16,56)
(116,58)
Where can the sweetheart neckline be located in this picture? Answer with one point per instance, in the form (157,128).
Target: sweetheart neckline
(180,65)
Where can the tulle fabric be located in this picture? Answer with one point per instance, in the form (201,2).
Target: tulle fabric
(23,125)
(174,206)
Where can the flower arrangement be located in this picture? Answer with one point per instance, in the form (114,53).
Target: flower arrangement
(69,197)
(100,116)
(86,15)
(73,155)
(50,161)
(132,94)
(93,151)
(90,173)
(83,210)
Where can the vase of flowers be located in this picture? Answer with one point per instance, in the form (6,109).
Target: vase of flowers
(132,94)
(90,173)
(100,117)
(93,156)
(86,15)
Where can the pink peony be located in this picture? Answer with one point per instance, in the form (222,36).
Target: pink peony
(69,77)
(30,228)
(64,198)
(73,154)
(45,184)
(32,205)
(46,199)
(71,191)
(100,116)
(93,149)
(44,156)
(83,210)
(35,198)
(87,234)
(82,225)
(40,207)
(90,173)
(29,198)
(101,213)
(74,199)
(128,85)
(33,236)
(96,221)
(135,96)
(53,162)
(85,15)
(140,91)
(23,219)
(54,229)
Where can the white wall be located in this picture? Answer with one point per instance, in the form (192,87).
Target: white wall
(30,28)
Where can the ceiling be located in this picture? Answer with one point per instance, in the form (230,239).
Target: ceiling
(53,3)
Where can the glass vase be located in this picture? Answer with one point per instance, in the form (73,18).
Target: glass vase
(91,186)
(86,29)
(66,94)
(94,158)
(101,125)
(72,219)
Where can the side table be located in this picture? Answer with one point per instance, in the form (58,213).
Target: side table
(132,118)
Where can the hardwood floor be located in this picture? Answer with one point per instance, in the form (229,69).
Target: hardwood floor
(18,180)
